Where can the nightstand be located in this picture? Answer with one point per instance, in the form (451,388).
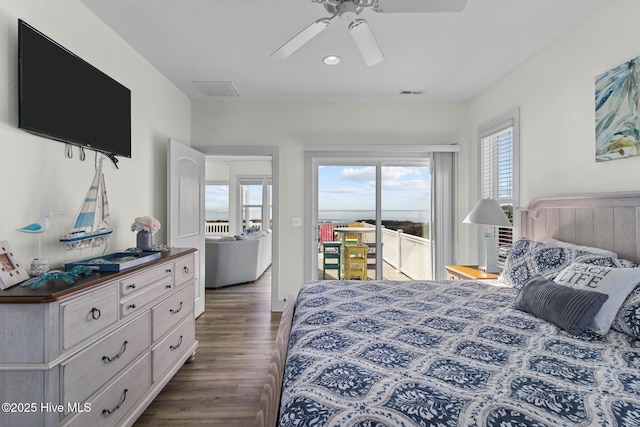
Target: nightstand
(467,272)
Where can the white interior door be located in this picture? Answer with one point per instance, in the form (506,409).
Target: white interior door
(185,211)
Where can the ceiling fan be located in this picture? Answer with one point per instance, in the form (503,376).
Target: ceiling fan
(348,10)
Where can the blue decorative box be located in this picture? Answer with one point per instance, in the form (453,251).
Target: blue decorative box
(116,262)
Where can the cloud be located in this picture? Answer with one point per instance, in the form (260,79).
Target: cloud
(365,175)
(399,172)
(415,184)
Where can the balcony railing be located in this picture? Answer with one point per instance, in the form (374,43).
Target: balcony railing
(216,228)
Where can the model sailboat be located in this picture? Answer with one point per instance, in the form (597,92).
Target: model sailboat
(91,226)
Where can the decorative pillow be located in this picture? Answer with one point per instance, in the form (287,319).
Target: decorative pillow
(554,242)
(615,282)
(571,309)
(627,319)
(528,259)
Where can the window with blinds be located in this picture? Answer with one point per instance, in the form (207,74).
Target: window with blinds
(497,181)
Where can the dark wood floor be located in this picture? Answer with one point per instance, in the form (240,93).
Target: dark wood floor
(222,386)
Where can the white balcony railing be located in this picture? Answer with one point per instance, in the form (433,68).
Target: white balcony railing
(216,228)
(410,255)
(223,227)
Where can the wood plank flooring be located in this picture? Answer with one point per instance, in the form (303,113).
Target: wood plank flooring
(222,386)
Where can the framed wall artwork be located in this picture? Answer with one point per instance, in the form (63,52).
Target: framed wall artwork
(617,119)
(11,270)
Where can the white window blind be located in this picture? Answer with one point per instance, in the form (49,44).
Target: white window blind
(497,181)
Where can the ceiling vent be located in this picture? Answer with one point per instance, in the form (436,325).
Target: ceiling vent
(411,92)
(217,88)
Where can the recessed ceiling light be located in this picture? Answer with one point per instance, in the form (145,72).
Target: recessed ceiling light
(331,60)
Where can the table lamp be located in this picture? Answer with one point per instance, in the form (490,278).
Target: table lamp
(487,212)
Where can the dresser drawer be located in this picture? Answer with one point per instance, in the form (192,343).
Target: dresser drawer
(90,369)
(137,301)
(185,269)
(169,312)
(140,281)
(170,348)
(86,315)
(120,397)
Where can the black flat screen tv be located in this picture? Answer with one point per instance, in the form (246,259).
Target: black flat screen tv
(63,97)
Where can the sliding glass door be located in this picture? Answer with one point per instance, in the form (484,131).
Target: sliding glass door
(376,208)
(406,220)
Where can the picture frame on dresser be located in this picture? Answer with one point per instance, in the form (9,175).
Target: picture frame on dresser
(11,270)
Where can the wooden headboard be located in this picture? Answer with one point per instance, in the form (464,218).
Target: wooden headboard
(609,221)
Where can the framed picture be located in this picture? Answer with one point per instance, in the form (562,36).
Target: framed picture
(11,270)
(618,112)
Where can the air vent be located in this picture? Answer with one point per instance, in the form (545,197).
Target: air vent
(217,88)
(411,92)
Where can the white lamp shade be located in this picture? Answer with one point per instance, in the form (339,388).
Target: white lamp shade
(487,212)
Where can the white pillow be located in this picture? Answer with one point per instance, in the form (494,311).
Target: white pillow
(615,282)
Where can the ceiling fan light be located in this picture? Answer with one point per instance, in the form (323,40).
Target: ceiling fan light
(331,60)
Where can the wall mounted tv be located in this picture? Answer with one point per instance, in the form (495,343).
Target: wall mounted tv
(62,97)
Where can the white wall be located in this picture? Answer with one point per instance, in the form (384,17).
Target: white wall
(290,125)
(555,92)
(35,174)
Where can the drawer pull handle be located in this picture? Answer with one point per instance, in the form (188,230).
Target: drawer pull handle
(132,286)
(168,270)
(124,397)
(95,313)
(132,306)
(108,359)
(172,311)
(186,270)
(168,286)
(175,347)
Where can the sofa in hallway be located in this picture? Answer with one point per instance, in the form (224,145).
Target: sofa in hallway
(231,260)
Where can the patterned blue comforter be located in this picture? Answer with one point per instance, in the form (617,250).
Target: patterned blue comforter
(385,353)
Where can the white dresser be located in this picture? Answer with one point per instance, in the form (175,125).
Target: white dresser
(95,353)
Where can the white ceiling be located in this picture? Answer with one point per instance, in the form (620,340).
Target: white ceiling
(449,56)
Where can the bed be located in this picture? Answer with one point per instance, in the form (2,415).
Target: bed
(532,349)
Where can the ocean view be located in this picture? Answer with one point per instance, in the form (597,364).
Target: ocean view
(344,215)
(389,215)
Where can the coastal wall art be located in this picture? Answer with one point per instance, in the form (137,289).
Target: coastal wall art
(617,119)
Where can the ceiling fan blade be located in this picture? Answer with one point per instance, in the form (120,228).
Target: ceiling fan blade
(407,6)
(302,37)
(366,42)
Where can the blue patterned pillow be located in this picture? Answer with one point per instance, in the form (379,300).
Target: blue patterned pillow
(627,319)
(528,259)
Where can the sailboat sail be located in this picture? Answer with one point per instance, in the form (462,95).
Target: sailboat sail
(91,226)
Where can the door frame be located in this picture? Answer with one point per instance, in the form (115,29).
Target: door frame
(277,304)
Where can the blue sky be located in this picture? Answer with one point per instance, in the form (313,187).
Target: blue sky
(216,197)
(353,187)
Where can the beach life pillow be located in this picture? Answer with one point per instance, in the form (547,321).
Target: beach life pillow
(528,259)
(615,282)
(571,309)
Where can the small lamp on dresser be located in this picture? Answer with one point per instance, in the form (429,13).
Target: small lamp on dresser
(488,213)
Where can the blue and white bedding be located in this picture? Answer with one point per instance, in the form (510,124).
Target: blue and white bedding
(386,353)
